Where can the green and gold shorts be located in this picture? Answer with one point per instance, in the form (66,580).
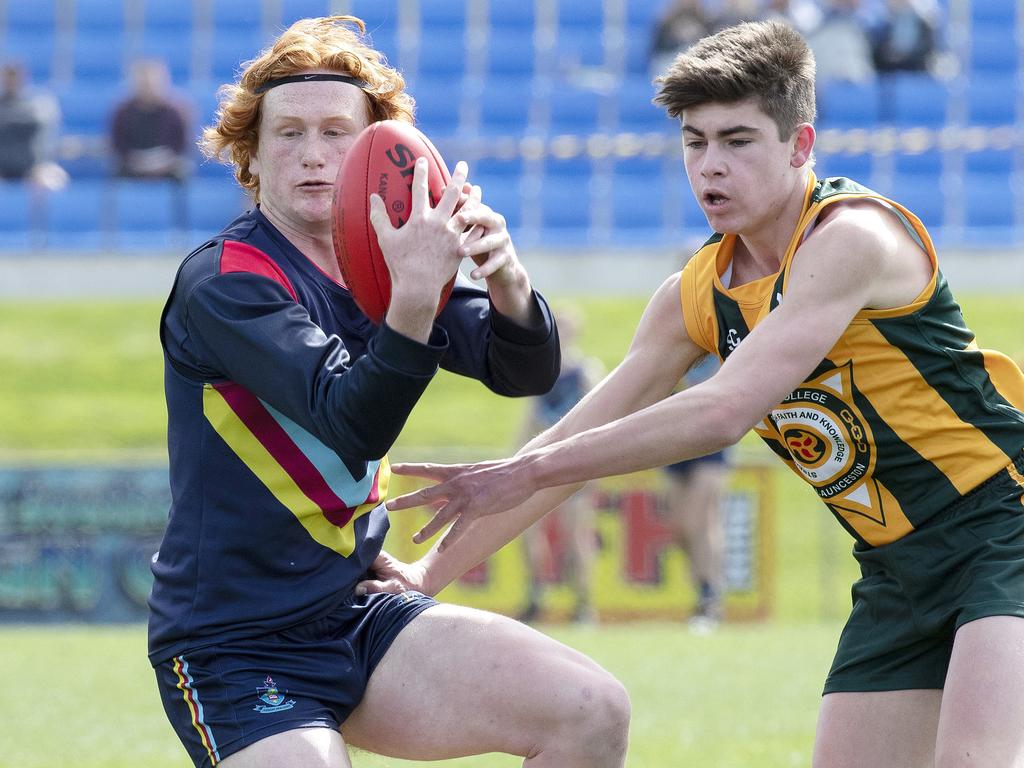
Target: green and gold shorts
(965,563)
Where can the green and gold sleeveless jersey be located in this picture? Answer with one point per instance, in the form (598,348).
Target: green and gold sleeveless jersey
(903,417)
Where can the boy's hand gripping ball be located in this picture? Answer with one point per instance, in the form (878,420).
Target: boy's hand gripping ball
(380,160)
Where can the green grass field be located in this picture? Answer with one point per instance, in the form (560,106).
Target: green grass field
(745,696)
(81,381)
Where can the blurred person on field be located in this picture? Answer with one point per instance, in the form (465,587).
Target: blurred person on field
(575,517)
(283,400)
(29,124)
(694,491)
(844,349)
(149,131)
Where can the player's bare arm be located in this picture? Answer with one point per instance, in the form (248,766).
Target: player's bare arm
(658,356)
(858,257)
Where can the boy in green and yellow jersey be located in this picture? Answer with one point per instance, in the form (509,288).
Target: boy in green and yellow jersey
(844,349)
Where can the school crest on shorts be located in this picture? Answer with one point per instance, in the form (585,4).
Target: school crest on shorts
(273,700)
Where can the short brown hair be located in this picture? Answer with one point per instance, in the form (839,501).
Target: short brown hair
(336,43)
(765,60)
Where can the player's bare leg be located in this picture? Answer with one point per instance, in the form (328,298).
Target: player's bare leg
(695,518)
(983,701)
(578,516)
(458,681)
(308,747)
(895,729)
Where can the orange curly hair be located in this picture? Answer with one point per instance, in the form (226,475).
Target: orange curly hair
(336,43)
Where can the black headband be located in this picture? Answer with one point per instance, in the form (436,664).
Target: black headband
(309,78)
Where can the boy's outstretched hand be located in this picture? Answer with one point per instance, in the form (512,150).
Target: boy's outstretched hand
(463,493)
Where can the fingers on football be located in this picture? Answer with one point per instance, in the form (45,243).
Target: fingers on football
(450,199)
(379,215)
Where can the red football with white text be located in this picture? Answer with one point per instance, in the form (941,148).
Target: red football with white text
(380,160)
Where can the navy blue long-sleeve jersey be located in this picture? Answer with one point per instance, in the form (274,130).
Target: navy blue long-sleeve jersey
(282,401)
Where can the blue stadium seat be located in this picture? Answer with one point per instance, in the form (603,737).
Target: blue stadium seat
(212,204)
(579,47)
(993,49)
(377,14)
(293,10)
(442,54)
(989,201)
(992,100)
(506,105)
(581,14)
(231,48)
(86,108)
(637,202)
(169,19)
(233,16)
(638,51)
(913,99)
(511,52)
(506,169)
(1003,12)
(512,16)
(86,166)
(442,15)
(98,56)
(33,17)
(100,16)
(848,105)
(636,112)
(929,162)
(16,213)
(921,194)
(990,161)
(34,49)
(576,110)
(437,105)
(146,206)
(856,166)
(565,198)
(502,193)
(76,215)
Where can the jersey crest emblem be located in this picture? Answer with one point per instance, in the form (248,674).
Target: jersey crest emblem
(830,444)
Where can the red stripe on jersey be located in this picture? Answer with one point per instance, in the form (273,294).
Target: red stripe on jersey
(286,453)
(239,257)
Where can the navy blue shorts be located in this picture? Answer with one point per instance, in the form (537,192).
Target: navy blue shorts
(683,467)
(223,698)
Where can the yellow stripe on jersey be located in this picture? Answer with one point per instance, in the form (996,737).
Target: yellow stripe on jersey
(250,450)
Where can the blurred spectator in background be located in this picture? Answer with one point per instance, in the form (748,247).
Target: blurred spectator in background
(732,12)
(841,43)
(681,24)
(803,15)
(574,518)
(149,129)
(905,40)
(29,123)
(694,492)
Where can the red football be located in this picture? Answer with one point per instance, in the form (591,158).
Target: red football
(380,160)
